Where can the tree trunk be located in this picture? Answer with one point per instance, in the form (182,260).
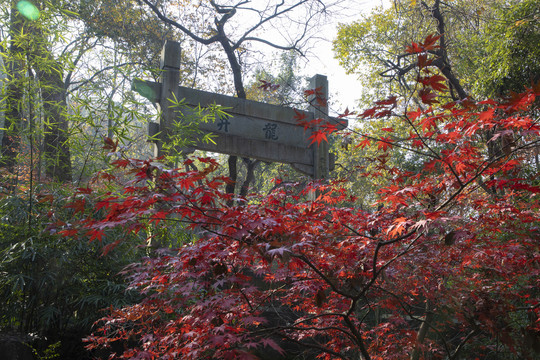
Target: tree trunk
(443,63)
(56,152)
(14,94)
(50,72)
(240,92)
(250,175)
(422,332)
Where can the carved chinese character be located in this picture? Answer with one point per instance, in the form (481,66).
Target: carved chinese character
(270,131)
(223,125)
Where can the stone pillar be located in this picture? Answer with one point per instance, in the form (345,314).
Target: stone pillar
(169,80)
(321,163)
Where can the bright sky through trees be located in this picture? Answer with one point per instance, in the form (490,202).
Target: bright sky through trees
(344,88)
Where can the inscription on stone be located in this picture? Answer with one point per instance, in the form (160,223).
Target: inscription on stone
(270,131)
(255,130)
(223,125)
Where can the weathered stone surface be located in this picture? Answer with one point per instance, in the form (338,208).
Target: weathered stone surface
(255,130)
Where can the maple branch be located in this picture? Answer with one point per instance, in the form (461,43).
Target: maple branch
(279,330)
(399,238)
(323,276)
(271,294)
(314,346)
(358,336)
(393,144)
(304,320)
(436,155)
(355,336)
(247,299)
(423,139)
(316,328)
(454,173)
(480,171)
(385,265)
(405,306)
(354,231)
(454,356)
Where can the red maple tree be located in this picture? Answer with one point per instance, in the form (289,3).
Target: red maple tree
(446,268)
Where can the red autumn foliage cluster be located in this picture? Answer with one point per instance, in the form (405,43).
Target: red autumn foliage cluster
(447,267)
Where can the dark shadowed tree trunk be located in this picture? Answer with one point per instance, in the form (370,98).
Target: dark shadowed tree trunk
(14,94)
(56,152)
(29,49)
(50,73)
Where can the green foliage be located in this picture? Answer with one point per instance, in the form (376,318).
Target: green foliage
(52,286)
(51,352)
(124,119)
(370,46)
(124,22)
(286,84)
(73,87)
(512,45)
(491,45)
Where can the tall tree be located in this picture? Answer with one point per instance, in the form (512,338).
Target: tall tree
(55,44)
(31,53)
(14,61)
(378,39)
(512,47)
(50,71)
(470,53)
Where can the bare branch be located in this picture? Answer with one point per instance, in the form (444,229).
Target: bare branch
(290,47)
(97,73)
(276,14)
(162,17)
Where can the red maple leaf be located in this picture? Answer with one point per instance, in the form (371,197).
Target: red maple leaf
(318,136)
(385,143)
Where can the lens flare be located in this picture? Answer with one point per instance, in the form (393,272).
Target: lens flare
(144,90)
(28,10)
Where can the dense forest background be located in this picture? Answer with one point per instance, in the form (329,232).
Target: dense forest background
(422,244)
